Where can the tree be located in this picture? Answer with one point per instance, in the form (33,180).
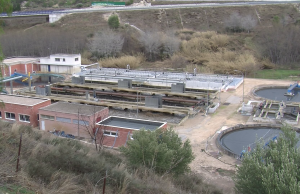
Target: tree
(5,6)
(162,151)
(271,169)
(233,23)
(248,23)
(113,21)
(171,43)
(42,42)
(106,44)
(152,42)
(237,23)
(281,44)
(87,122)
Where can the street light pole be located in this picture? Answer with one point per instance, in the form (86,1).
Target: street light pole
(243,82)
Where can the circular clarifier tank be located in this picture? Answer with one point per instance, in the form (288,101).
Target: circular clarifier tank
(278,94)
(234,141)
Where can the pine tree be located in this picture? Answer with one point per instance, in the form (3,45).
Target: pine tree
(272,169)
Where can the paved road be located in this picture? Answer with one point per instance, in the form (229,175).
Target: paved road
(129,8)
(179,6)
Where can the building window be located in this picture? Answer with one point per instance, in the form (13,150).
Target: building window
(110,133)
(76,59)
(64,120)
(24,118)
(64,60)
(47,117)
(11,116)
(57,59)
(81,122)
(0,115)
(131,137)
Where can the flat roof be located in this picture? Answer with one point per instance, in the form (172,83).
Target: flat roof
(21,100)
(72,108)
(130,123)
(20,60)
(64,55)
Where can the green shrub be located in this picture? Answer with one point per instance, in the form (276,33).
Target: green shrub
(130,2)
(39,170)
(79,5)
(62,3)
(113,21)
(161,151)
(193,183)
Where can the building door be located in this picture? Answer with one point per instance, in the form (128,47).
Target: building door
(43,125)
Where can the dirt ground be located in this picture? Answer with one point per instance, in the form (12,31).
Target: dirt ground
(201,129)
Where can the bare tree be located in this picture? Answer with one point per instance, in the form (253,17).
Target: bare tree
(152,43)
(233,23)
(88,123)
(248,23)
(238,23)
(281,44)
(107,43)
(171,43)
(39,43)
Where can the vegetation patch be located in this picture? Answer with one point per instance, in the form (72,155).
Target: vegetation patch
(278,74)
(49,164)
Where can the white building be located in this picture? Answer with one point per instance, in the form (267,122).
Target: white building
(61,63)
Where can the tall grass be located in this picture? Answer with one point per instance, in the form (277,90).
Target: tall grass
(121,62)
(209,50)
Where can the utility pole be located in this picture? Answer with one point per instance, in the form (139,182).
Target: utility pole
(137,104)
(20,145)
(243,82)
(78,124)
(104,182)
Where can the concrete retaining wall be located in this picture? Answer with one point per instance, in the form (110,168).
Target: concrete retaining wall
(55,17)
(212,110)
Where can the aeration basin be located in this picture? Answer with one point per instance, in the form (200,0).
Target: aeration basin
(241,138)
(277,93)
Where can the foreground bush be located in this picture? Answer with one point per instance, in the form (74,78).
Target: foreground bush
(161,150)
(49,164)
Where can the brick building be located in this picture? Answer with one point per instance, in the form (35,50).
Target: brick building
(118,130)
(21,109)
(71,118)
